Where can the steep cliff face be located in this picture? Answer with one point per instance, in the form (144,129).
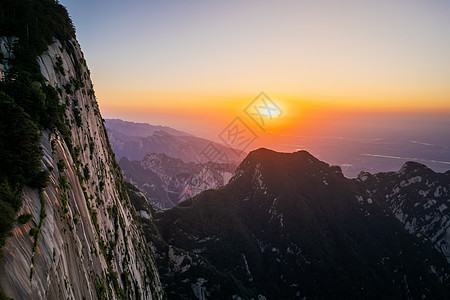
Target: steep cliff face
(183,273)
(82,240)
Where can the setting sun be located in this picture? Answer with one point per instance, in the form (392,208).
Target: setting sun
(207,61)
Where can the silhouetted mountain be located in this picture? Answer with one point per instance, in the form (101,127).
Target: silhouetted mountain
(135,140)
(166,181)
(289,226)
(178,264)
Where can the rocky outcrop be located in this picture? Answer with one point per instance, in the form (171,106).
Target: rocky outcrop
(82,241)
(419,198)
(183,273)
(167,181)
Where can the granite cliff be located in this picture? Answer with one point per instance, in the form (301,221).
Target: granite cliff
(75,237)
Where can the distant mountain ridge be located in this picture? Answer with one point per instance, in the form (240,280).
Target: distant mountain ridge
(289,226)
(132,129)
(166,181)
(135,140)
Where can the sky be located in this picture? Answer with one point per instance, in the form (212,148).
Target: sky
(196,65)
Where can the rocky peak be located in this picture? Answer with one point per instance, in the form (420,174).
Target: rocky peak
(302,161)
(163,164)
(275,168)
(288,225)
(166,180)
(412,167)
(418,197)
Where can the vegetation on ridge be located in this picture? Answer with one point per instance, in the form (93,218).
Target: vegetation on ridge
(27,103)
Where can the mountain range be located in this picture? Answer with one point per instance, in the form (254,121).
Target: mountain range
(288,226)
(168,165)
(135,140)
(166,181)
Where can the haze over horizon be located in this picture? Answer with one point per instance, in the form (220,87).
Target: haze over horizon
(352,69)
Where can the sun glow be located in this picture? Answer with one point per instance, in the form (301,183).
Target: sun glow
(199,65)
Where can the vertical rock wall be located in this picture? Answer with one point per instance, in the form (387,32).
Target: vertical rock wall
(86,242)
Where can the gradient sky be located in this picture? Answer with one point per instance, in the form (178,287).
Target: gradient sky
(194,65)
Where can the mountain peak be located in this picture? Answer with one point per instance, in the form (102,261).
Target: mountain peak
(288,217)
(274,167)
(263,154)
(158,156)
(161,161)
(414,167)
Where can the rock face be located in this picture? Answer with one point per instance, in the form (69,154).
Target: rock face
(183,272)
(289,226)
(86,244)
(166,181)
(135,140)
(419,198)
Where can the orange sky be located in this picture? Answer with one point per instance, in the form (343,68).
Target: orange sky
(207,116)
(195,65)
